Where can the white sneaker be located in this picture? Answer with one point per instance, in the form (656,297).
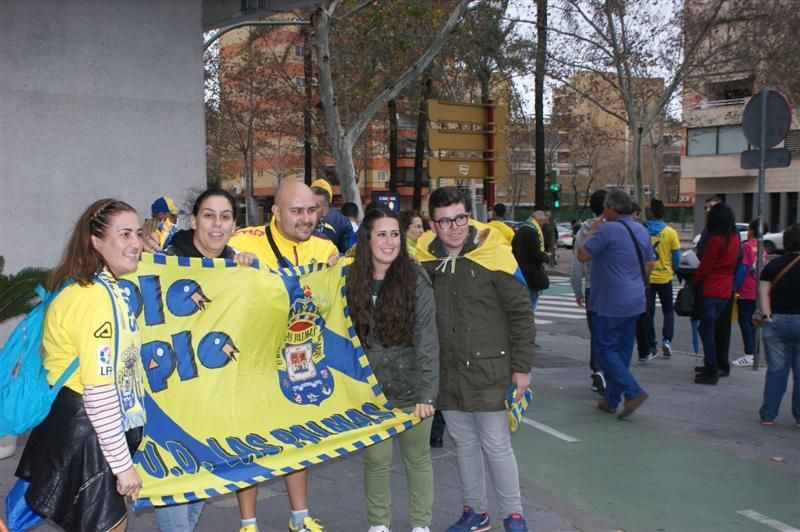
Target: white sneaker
(420,529)
(744,362)
(379,528)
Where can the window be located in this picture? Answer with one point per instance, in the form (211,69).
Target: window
(730,90)
(792,142)
(791,208)
(383,176)
(299,49)
(731,140)
(719,140)
(748,206)
(774,211)
(702,141)
(299,81)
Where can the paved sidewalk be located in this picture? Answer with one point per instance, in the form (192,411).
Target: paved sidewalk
(691,458)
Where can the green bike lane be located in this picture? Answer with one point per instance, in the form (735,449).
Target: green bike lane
(631,475)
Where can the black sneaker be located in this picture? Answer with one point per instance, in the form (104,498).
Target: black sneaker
(648,357)
(598,382)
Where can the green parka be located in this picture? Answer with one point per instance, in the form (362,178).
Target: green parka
(410,374)
(486,329)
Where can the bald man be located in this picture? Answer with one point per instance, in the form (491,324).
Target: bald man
(287,241)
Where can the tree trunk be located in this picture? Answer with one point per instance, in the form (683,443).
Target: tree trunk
(636,164)
(422,128)
(575,192)
(588,194)
(655,162)
(342,140)
(251,206)
(539,74)
(393,177)
(308,72)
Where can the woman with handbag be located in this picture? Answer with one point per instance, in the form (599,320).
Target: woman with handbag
(715,272)
(779,290)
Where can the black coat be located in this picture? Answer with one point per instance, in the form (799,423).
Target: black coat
(531,259)
(182,245)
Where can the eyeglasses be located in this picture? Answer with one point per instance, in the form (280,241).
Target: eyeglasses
(446,223)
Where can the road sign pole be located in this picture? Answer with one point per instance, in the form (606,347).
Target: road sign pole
(762,207)
(488,183)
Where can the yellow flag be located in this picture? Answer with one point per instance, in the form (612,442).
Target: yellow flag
(251,374)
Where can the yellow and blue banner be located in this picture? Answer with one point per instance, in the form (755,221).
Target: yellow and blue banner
(251,374)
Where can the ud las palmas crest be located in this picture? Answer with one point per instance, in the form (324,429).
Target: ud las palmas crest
(304,376)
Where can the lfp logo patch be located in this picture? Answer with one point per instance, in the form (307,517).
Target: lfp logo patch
(104,366)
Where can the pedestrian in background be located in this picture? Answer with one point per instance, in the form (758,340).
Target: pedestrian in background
(412,227)
(643,337)
(715,272)
(779,290)
(622,257)
(745,287)
(391,303)
(331,223)
(722,327)
(350,211)
(579,278)
(667,250)
(498,221)
(528,248)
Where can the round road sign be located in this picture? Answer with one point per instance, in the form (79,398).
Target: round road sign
(779,118)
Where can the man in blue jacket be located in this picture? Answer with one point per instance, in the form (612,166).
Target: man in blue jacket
(332,224)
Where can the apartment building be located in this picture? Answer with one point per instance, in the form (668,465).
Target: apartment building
(590,148)
(713,104)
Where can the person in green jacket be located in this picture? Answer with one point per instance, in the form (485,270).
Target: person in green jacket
(390,299)
(486,337)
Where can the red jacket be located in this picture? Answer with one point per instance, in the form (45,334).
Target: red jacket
(717,266)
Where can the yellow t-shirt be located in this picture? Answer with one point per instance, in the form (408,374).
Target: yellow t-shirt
(664,243)
(504,229)
(95,323)
(254,240)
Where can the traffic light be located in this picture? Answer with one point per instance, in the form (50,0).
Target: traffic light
(555,195)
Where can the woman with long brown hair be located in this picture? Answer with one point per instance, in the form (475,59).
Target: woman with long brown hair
(391,303)
(78,460)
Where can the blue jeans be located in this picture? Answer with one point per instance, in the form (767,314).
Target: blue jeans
(710,310)
(746,309)
(535,298)
(614,339)
(782,347)
(179,517)
(664,292)
(593,363)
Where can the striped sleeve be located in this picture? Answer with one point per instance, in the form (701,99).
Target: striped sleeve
(102,407)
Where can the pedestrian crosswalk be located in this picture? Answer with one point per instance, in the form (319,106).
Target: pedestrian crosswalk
(561,307)
(557,304)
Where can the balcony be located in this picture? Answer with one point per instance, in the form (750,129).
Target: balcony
(717,103)
(714,113)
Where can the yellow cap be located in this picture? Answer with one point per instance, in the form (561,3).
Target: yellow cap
(324,185)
